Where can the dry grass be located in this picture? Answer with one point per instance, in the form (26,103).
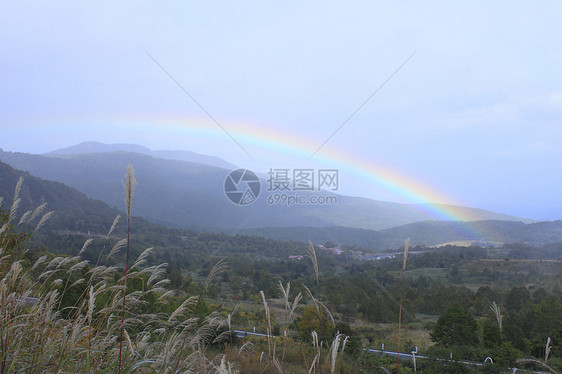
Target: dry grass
(311,254)
(499,317)
(406,246)
(106,329)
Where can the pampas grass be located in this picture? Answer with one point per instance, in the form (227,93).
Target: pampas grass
(16,200)
(406,246)
(317,346)
(289,310)
(547,349)
(218,268)
(311,253)
(268,319)
(113,324)
(319,306)
(289,307)
(105,330)
(129,185)
(499,317)
(334,351)
(538,362)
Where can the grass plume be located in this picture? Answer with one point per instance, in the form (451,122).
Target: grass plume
(311,254)
(107,327)
(129,185)
(547,349)
(406,246)
(218,268)
(499,317)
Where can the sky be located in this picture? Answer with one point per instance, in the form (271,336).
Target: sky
(439,102)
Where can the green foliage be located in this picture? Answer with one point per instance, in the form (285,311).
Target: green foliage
(353,346)
(314,319)
(355,289)
(483,299)
(57,314)
(543,321)
(517,298)
(443,367)
(491,336)
(456,327)
(505,355)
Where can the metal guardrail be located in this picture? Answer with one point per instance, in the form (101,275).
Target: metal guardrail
(401,355)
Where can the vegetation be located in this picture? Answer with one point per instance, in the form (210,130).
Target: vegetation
(39,333)
(189,195)
(455,327)
(71,302)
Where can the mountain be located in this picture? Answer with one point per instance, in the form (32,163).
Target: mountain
(427,233)
(97,147)
(77,217)
(72,209)
(490,231)
(191,195)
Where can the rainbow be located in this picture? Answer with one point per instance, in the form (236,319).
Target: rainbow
(435,203)
(404,188)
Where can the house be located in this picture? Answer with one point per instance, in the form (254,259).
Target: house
(336,251)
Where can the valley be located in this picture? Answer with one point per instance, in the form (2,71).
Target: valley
(363,288)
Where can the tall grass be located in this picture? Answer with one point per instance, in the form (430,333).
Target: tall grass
(406,246)
(289,310)
(111,325)
(311,253)
(109,328)
(537,362)
(547,349)
(499,317)
(129,185)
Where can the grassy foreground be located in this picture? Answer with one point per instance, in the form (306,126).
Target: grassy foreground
(61,314)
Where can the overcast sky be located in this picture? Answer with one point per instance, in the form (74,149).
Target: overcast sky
(475,114)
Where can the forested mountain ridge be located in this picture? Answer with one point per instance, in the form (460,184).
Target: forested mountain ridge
(77,215)
(97,147)
(425,233)
(74,211)
(191,195)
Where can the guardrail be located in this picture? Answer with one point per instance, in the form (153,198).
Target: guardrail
(401,355)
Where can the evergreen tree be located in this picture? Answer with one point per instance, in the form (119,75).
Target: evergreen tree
(455,327)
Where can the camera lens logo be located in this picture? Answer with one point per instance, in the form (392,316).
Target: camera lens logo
(242,187)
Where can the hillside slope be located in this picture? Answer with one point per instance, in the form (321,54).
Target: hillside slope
(72,209)
(190,195)
(426,233)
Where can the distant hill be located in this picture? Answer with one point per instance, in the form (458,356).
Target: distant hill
(427,233)
(76,217)
(190,195)
(73,210)
(97,147)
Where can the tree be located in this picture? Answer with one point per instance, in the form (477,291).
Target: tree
(491,335)
(539,295)
(544,322)
(314,320)
(483,299)
(517,298)
(455,327)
